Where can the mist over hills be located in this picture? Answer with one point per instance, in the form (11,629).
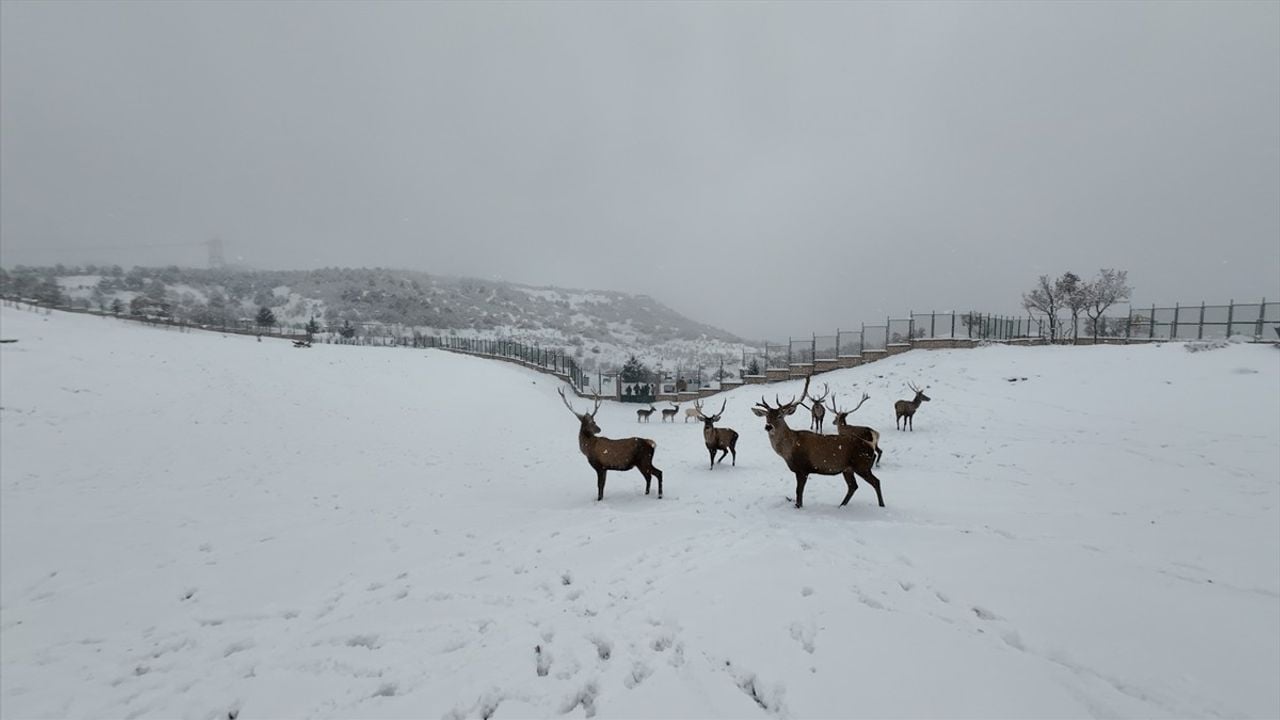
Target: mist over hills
(601,328)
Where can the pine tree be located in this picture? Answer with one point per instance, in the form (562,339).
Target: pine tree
(266,318)
(634,370)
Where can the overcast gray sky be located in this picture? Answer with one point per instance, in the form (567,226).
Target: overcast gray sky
(770,168)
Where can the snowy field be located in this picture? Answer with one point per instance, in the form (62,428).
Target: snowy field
(201,526)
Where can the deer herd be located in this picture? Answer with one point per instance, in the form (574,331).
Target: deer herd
(851,452)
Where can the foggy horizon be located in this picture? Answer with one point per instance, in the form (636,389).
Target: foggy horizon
(766,169)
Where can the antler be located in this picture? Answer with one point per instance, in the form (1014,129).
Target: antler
(865,397)
(596,409)
(722,406)
(825,391)
(566,404)
(913,387)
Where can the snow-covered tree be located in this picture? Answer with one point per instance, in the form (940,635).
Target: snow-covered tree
(1110,287)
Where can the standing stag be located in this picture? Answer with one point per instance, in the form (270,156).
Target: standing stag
(642,415)
(669,414)
(817,411)
(906,409)
(808,453)
(690,413)
(861,432)
(604,454)
(723,439)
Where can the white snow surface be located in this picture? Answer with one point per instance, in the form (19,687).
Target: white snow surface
(203,526)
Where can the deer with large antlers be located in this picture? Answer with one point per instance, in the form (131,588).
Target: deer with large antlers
(642,415)
(807,453)
(817,411)
(723,439)
(861,432)
(906,409)
(669,414)
(604,454)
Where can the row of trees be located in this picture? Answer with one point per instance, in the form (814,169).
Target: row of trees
(1074,296)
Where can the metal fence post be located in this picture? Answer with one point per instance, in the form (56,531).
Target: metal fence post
(813,350)
(1152,333)
(1173,332)
(837,342)
(788,352)
(953,323)
(933,321)
(1200,331)
(1262,308)
(1231,309)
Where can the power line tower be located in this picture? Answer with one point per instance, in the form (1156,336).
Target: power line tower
(216,260)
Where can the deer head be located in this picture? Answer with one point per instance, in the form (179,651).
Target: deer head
(710,420)
(920,396)
(817,411)
(843,415)
(588,420)
(775,417)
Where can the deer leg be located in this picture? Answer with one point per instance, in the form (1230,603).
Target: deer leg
(733,449)
(657,472)
(852,483)
(879,452)
(712,452)
(874,482)
(723,452)
(801,478)
(600,472)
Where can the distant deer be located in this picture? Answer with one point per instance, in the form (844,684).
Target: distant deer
(859,431)
(906,409)
(642,415)
(669,414)
(690,413)
(604,454)
(723,439)
(817,411)
(809,453)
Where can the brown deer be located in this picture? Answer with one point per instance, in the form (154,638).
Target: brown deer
(604,454)
(859,431)
(669,414)
(723,439)
(807,453)
(906,409)
(817,411)
(642,415)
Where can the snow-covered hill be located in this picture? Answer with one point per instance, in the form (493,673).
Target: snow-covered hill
(203,526)
(601,329)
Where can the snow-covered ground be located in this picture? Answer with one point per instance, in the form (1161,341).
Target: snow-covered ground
(203,526)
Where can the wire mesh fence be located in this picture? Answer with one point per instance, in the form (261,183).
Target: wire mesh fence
(875,338)
(800,351)
(826,347)
(849,343)
(1259,321)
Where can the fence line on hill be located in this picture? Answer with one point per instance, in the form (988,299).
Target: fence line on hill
(804,356)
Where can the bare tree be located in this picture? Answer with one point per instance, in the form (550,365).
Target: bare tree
(1044,298)
(1110,287)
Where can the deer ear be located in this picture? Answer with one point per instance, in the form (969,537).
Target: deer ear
(758,411)
(791,409)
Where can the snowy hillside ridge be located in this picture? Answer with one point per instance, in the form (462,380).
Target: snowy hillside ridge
(600,328)
(195,525)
